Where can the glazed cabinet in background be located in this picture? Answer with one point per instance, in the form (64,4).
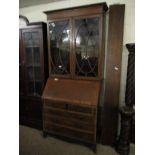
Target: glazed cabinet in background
(32,71)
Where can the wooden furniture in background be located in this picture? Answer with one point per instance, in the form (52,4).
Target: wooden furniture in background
(113,74)
(33,71)
(127,132)
(130,84)
(76,57)
(130,90)
(123,143)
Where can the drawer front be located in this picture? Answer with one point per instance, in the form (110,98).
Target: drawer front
(68,114)
(71,122)
(82,109)
(74,121)
(52,104)
(68,132)
(70,107)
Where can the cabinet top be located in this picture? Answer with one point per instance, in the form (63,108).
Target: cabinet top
(104,6)
(77,11)
(24,23)
(72,91)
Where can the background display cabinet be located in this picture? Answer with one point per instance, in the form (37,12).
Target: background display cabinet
(33,71)
(76,58)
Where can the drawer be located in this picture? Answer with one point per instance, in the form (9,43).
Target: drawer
(70,122)
(54,104)
(82,109)
(69,114)
(70,107)
(69,132)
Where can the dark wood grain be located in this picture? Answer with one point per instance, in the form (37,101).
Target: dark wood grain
(69,132)
(130,86)
(130,82)
(104,5)
(69,114)
(71,122)
(113,74)
(21,67)
(77,11)
(30,112)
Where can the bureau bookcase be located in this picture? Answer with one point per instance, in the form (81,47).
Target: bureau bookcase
(76,58)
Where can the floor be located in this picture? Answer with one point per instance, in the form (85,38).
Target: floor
(31,142)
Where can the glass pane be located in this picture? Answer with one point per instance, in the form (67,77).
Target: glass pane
(60,46)
(37,74)
(27,36)
(31,88)
(34,35)
(31,39)
(30,71)
(32,54)
(38,88)
(36,56)
(34,77)
(29,56)
(87,46)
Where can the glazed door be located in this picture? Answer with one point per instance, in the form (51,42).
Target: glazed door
(59,55)
(32,55)
(75,46)
(87,45)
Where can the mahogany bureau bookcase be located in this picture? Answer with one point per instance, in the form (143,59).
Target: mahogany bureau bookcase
(33,71)
(76,58)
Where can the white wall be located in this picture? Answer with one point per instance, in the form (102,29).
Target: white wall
(35,13)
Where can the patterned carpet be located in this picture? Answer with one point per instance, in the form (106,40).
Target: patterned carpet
(32,143)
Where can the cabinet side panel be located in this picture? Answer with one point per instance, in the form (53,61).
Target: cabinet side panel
(113,74)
